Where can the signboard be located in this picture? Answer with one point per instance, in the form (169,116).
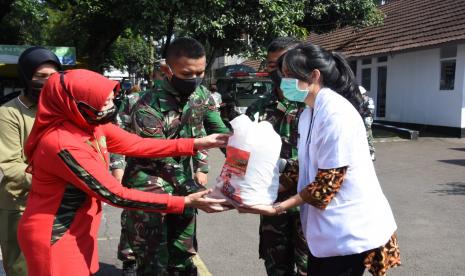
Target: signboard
(9,54)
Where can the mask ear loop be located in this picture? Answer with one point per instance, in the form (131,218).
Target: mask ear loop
(85,109)
(171,70)
(62,81)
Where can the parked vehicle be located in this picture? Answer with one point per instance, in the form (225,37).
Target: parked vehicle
(238,90)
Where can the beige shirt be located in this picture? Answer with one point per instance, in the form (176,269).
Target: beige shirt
(16,121)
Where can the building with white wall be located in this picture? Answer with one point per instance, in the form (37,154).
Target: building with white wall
(413,65)
(220,62)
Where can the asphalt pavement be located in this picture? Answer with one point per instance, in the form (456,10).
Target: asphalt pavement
(424,181)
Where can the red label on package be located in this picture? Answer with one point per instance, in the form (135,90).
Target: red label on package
(237,160)
(235,164)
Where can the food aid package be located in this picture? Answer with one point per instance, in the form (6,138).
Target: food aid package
(250,174)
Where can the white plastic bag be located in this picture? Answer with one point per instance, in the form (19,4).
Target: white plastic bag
(250,175)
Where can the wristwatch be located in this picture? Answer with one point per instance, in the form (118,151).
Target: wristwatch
(279,209)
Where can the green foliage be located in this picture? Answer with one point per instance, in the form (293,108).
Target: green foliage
(226,27)
(130,52)
(243,27)
(94,25)
(23,23)
(326,15)
(5,7)
(61,29)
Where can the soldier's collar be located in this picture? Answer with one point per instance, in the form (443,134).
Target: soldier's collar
(168,102)
(285,104)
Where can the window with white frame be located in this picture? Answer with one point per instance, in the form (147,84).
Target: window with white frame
(366,73)
(376,67)
(448,56)
(366,78)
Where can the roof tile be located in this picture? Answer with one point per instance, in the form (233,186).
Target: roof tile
(408,24)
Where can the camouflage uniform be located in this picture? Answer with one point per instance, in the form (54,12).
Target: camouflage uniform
(118,161)
(282,243)
(368,113)
(123,120)
(164,244)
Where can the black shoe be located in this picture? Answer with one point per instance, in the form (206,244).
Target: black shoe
(129,268)
(192,271)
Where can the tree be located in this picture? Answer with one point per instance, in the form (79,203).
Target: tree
(130,52)
(21,22)
(243,27)
(326,15)
(228,27)
(224,26)
(5,7)
(97,24)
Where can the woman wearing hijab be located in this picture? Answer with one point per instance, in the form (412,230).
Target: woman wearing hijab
(68,152)
(35,65)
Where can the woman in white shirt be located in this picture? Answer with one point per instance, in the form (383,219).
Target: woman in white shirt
(346,218)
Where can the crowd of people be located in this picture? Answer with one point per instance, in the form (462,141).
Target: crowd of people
(66,147)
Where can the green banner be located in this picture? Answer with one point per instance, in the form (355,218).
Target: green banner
(9,54)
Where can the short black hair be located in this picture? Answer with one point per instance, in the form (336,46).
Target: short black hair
(282,43)
(184,47)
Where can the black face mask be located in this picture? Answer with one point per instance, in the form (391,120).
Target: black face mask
(276,77)
(95,117)
(90,114)
(185,87)
(35,86)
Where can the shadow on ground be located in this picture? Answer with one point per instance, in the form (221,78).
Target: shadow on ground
(459,162)
(382,133)
(434,134)
(459,149)
(108,270)
(451,188)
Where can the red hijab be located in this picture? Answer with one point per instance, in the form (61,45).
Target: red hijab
(56,107)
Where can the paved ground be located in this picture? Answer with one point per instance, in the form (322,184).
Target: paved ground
(423,180)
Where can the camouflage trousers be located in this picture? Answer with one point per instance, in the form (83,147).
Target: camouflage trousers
(282,244)
(161,244)
(125,252)
(368,123)
(371,144)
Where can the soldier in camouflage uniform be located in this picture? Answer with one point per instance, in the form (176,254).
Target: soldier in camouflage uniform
(125,104)
(165,244)
(367,114)
(282,243)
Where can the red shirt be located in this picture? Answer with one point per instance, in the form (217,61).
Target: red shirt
(58,231)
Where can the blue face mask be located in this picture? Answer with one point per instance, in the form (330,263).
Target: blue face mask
(291,90)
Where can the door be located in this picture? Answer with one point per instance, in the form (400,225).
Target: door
(381,92)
